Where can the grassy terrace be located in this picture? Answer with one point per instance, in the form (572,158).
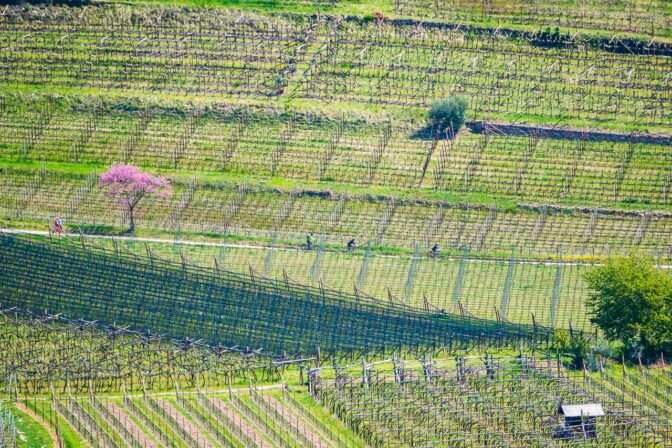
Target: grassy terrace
(259,212)
(370,150)
(639,17)
(264,173)
(351,62)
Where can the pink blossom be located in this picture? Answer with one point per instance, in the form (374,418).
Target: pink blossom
(129,185)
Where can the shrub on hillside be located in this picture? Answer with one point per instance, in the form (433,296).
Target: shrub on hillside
(448,115)
(576,346)
(631,302)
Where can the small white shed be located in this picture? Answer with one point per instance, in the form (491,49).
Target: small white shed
(582,418)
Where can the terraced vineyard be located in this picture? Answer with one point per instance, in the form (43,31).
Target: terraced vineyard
(556,290)
(334,60)
(234,309)
(240,400)
(222,396)
(642,17)
(352,149)
(539,231)
(478,402)
(229,310)
(268,418)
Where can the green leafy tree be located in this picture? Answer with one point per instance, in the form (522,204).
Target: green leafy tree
(631,301)
(448,115)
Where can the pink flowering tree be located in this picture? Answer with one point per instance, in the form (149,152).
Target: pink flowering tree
(128,184)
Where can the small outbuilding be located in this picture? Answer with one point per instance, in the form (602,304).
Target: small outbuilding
(581,419)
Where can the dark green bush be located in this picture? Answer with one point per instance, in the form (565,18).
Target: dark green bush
(576,346)
(448,115)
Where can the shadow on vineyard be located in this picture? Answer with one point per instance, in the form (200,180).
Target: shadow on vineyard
(228,308)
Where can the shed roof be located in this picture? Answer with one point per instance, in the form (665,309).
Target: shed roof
(582,410)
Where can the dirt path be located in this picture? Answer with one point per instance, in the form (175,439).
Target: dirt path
(237,420)
(194,432)
(297,424)
(473,258)
(130,425)
(38,419)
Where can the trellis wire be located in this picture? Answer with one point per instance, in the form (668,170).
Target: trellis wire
(230,308)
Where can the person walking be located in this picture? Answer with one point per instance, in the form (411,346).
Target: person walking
(58,225)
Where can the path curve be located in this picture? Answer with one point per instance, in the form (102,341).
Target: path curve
(52,434)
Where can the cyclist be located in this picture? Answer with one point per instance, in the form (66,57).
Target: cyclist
(309,241)
(351,245)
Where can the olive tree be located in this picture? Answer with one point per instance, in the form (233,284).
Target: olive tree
(448,115)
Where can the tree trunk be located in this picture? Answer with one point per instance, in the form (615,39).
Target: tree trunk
(132,219)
